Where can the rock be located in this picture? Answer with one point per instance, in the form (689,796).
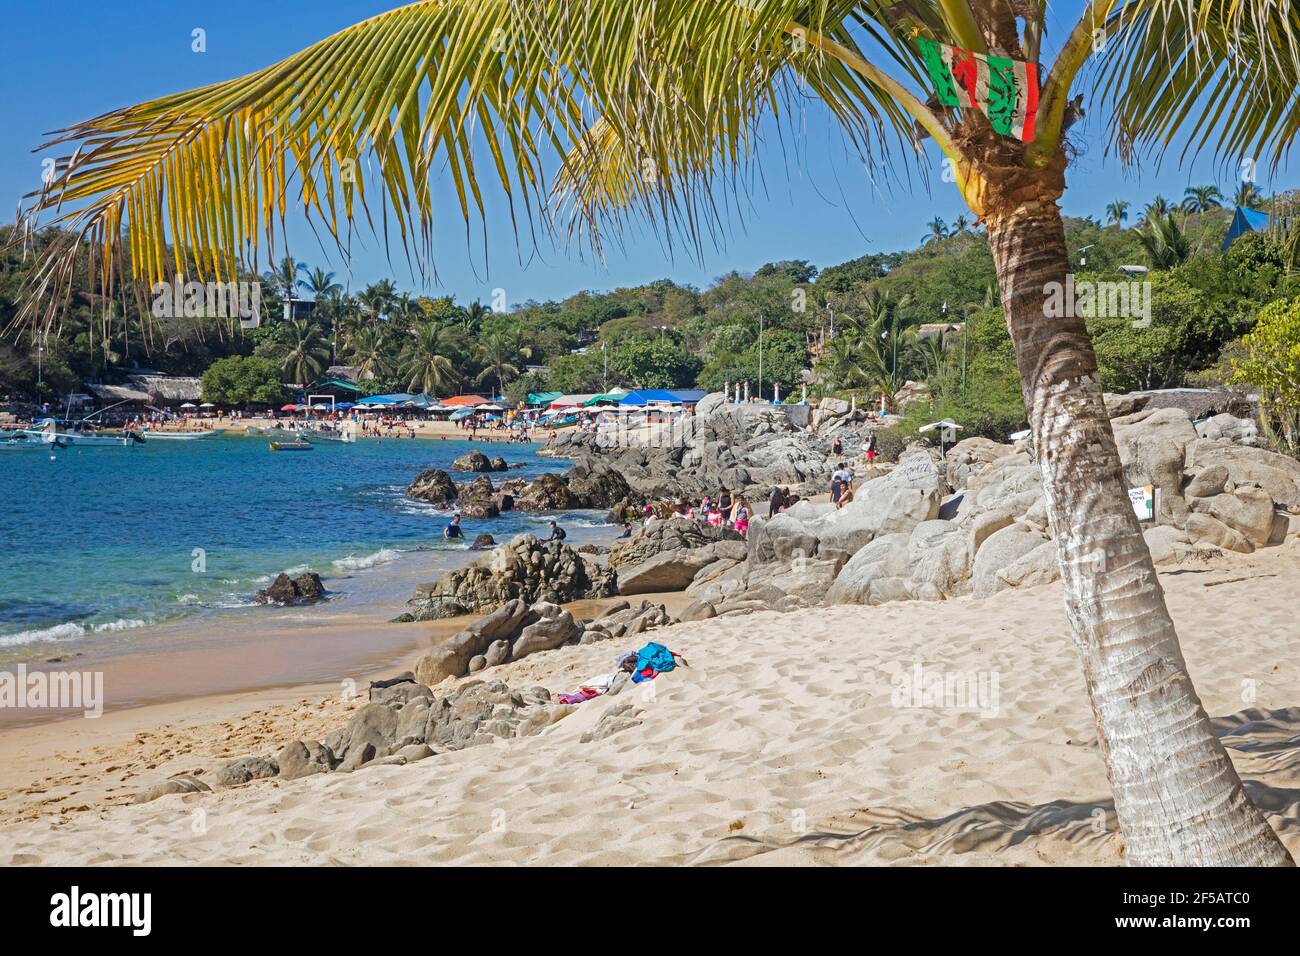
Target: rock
(1164,542)
(483,541)
(1225,427)
(1152,446)
(1039,566)
(880,507)
(499,464)
(434,486)
(548,493)
(477,663)
(669,571)
(1247,510)
(181,783)
(471,461)
(675,535)
(304,589)
(373,728)
(883,557)
(987,523)
(399,692)
(698,611)
(1120,405)
(969,457)
(498,653)
(303,758)
(1208,483)
(1276,474)
(1000,550)
(451,657)
(546,634)
(938,560)
(1205,528)
(413,752)
(619,717)
(598,486)
(523,568)
(243,770)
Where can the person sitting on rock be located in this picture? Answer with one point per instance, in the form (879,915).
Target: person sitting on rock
(557,533)
(627,530)
(453,530)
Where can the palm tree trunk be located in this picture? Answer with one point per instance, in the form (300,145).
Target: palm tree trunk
(1178,798)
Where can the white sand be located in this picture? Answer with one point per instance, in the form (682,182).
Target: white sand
(781,744)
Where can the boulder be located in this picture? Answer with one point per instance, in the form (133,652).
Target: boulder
(1040,566)
(483,541)
(1276,474)
(1248,510)
(883,557)
(244,769)
(1165,542)
(434,486)
(1210,530)
(1208,483)
(304,589)
(471,461)
(1152,445)
(451,657)
(880,507)
(499,464)
(671,535)
(370,733)
(303,758)
(969,457)
(698,611)
(181,783)
(548,492)
(1000,550)
(547,634)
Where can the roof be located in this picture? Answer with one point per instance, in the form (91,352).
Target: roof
(689,396)
(395,399)
(169,388)
(1244,221)
(459,400)
(542,398)
(338,383)
(119,393)
(644,396)
(608,398)
(565,400)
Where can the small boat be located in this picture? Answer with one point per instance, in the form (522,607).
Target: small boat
(153,435)
(66,439)
(291,446)
(314,435)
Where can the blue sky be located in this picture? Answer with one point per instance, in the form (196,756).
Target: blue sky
(70,59)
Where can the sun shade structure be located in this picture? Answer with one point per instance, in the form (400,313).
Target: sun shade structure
(460,401)
(1244,221)
(396,399)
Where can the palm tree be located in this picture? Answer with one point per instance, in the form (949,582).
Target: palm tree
(1202,198)
(303,352)
(938,230)
(377,298)
(1248,196)
(427,364)
(852,361)
(933,354)
(473,316)
(1225,73)
(368,351)
(1117,212)
(1157,208)
(319,283)
(1164,241)
(959,225)
(498,351)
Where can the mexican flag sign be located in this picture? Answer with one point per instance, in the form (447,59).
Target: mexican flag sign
(1004,90)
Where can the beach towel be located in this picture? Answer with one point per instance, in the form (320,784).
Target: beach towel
(652,660)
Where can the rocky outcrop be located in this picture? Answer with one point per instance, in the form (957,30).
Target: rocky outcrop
(478,499)
(434,486)
(524,568)
(287,591)
(471,461)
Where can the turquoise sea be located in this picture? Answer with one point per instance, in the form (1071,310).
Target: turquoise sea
(101,542)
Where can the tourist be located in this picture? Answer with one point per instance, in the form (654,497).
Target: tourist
(844,476)
(777,503)
(724,501)
(870,454)
(557,533)
(837,486)
(740,516)
(627,530)
(452,530)
(837,447)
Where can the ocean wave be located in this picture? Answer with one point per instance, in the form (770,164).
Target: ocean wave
(354,563)
(69,630)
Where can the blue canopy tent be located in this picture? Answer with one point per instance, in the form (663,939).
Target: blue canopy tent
(386,399)
(644,396)
(1244,221)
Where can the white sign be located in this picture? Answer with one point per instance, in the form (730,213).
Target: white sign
(1144,502)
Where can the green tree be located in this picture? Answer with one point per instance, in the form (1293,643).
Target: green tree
(428,364)
(242,380)
(1270,363)
(303,351)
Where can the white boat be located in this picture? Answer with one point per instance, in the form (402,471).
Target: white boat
(151,435)
(314,435)
(66,439)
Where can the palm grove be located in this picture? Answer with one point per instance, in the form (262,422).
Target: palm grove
(651,112)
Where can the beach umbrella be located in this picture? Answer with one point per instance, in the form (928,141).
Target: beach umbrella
(289,408)
(189,405)
(462,413)
(207,405)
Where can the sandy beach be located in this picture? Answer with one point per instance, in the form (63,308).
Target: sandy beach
(791,739)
